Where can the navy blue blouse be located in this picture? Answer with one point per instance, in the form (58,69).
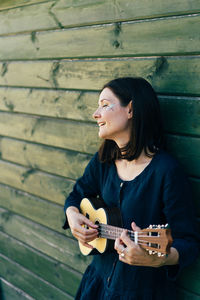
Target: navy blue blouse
(158,195)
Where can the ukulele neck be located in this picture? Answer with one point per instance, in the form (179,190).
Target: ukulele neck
(111,232)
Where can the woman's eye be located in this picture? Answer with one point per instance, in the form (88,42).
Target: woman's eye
(105,105)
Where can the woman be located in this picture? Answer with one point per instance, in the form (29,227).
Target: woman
(131,171)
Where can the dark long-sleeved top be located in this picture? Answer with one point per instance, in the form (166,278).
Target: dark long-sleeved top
(160,194)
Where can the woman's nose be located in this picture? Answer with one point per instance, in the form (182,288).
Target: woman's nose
(96,114)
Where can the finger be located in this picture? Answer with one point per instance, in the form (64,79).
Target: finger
(119,247)
(126,239)
(135,227)
(89,223)
(87,245)
(86,234)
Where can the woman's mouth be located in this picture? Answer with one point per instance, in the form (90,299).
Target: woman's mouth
(100,124)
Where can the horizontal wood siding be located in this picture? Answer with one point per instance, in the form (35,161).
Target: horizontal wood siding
(55,56)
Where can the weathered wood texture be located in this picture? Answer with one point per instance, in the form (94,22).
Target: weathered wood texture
(55,56)
(168,74)
(152,37)
(62,14)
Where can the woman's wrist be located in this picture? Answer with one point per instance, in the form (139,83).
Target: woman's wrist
(172,258)
(70,210)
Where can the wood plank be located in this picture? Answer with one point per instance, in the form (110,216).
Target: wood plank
(47,186)
(70,13)
(178,112)
(5,4)
(186,150)
(47,268)
(62,14)
(53,103)
(195,185)
(181,114)
(169,75)
(59,133)
(27,18)
(52,160)
(31,207)
(153,37)
(55,245)
(10,292)
(27,281)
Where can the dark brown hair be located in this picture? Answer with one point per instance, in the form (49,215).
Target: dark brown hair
(146,123)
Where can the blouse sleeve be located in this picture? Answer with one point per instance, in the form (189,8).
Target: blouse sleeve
(179,212)
(85,186)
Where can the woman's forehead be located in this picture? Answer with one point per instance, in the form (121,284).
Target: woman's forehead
(108,95)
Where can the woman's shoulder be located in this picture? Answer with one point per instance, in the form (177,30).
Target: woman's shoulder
(166,162)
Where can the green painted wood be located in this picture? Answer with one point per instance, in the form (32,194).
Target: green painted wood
(53,103)
(185,295)
(174,35)
(169,75)
(181,114)
(38,210)
(195,184)
(60,14)
(178,112)
(47,186)
(50,243)
(10,292)
(75,13)
(35,156)
(27,18)
(5,4)
(31,284)
(186,150)
(60,133)
(47,268)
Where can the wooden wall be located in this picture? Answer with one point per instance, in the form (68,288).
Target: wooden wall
(54,57)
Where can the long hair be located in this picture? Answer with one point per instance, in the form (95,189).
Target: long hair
(146,122)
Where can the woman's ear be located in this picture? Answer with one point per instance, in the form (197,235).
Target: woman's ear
(130,109)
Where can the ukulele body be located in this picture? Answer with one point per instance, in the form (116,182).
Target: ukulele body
(96,211)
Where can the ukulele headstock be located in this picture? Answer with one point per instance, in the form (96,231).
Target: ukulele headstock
(157,239)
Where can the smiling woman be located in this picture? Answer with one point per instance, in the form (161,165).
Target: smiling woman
(133,173)
(112,118)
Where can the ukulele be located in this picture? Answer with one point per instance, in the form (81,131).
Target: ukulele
(156,239)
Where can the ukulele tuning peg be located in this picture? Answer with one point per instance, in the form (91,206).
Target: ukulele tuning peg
(150,252)
(159,254)
(150,227)
(166,225)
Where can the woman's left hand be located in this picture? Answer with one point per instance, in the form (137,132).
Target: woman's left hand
(133,254)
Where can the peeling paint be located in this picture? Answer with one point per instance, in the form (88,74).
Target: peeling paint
(35,126)
(52,14)
(158,67)
(26,174)
(4,69)
(54,72)
(9,105)
(117,29)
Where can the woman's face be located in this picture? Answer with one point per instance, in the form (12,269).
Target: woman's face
(112,118)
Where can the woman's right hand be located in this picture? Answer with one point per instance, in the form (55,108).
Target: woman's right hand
(82,228)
